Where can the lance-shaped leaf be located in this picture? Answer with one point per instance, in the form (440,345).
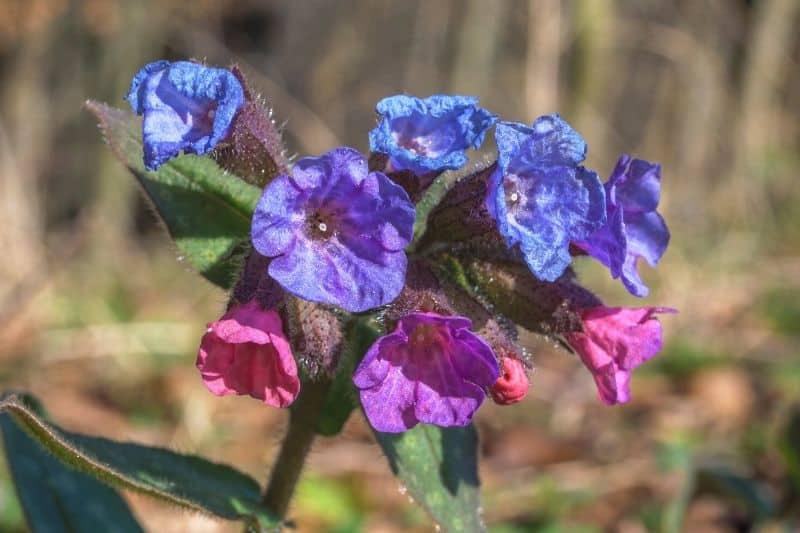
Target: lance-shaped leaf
(439,469)
(185,480)
(206,210)
(56,497)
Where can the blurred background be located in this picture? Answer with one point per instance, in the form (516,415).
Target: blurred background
(101,320)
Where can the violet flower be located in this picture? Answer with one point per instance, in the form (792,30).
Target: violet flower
(634,228)
(430,369)
(186,106)
(539,196)
(614,341)
(246,352)
(335,231)
(429,134)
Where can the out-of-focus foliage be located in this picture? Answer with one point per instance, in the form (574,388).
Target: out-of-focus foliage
(102,323)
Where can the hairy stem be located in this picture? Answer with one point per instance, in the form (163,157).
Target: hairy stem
(295,447)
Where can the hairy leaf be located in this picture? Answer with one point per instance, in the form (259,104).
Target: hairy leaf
(185,480)
(439,469)
(57,498)
(206,210)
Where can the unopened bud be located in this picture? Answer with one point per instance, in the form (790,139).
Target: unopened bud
(254,149)
(512,385)
(315,333)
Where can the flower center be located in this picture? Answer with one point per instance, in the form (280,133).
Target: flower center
(513,196)
(420,144)
(426,336)
(319,225)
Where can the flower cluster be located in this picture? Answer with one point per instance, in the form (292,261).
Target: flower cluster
(333,238)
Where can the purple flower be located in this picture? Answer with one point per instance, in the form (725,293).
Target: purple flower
(430,134)
(186,106)
(336,232)
(431,369)
(634,229)
(539,196)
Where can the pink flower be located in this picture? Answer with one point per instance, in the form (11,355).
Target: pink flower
(512,385)
(246,352)
(614,341)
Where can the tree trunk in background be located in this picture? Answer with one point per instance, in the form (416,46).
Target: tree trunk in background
(593,87)
(112,208)
(766,63)
(24,140)
(544,57)
(476,47)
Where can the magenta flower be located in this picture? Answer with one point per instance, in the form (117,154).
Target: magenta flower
(246,352)
(430,369)
(336,231)
(512,385)
(614,341)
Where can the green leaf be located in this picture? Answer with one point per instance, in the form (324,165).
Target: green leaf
(206,210)
(58,498)
(439,469)
(185,480)
(748,491)
(343,398)
(789,446)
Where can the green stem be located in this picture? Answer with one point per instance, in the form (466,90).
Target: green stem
(296,444)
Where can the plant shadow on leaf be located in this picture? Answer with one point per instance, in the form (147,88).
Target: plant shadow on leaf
(439,469)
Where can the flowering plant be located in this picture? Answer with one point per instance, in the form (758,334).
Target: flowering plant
(392,281)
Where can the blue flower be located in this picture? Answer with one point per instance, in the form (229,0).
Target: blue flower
(186,106)
(430,134)
(634,228)
(336,231)
(539,196)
